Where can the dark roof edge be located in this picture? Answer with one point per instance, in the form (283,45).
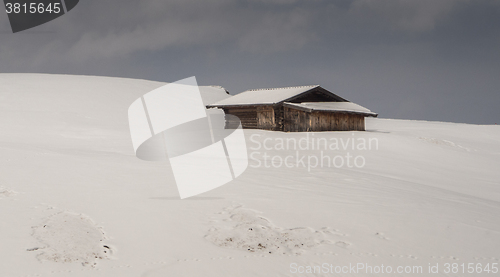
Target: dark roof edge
(313,88)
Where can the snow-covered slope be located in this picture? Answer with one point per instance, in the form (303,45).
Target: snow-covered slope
(75,200)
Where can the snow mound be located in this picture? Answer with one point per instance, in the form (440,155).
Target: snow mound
(5,192)
(248,231)
(69,237)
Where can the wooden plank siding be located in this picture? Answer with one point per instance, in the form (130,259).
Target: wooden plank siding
(302,121)
(280,118)
(266,118)
(247,116)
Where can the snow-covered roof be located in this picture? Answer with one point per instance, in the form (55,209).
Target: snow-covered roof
(266,96)
(212,94)
(348,107)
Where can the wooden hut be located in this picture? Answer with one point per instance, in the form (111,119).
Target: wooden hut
(294,109)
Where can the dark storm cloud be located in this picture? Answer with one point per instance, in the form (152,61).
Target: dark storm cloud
(408,59)
(109,29)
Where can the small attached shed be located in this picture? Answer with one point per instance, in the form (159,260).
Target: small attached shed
(294,109)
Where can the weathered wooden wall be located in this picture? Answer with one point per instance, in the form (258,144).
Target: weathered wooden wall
(279,118)
(279,115)
(301,121)
(295,120)
(247,116)
(265,118)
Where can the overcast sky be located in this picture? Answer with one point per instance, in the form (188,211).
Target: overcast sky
(420,59)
